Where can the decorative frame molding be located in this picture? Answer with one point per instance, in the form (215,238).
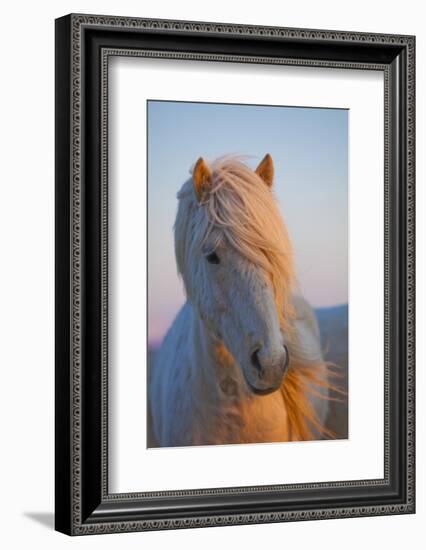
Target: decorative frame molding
(83,47)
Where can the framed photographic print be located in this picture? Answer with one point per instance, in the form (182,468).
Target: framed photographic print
(234,274)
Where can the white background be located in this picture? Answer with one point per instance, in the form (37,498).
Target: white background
(26,301)
(359,457)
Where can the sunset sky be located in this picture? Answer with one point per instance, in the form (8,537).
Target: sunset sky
(309,147)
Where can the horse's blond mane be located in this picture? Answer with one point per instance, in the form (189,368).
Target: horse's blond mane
(242,209)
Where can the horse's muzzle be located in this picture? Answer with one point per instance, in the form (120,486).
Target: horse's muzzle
(268,378)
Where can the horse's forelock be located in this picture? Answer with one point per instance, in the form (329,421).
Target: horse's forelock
(244,210)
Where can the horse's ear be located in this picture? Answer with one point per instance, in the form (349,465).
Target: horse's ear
(201,178)
(265,170)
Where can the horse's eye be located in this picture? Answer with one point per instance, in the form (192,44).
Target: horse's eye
(212,258)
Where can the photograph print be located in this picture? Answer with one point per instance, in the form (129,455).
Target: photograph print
(247,274)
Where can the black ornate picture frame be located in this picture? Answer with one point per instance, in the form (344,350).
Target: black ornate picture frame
(84,43)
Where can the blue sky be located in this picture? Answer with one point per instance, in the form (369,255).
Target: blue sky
(309,147)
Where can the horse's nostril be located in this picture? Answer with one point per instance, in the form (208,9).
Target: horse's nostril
(286,359)
(255,361)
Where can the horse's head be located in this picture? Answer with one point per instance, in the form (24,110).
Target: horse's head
(235,259)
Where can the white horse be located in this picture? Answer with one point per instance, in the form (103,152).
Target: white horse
(242,361)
